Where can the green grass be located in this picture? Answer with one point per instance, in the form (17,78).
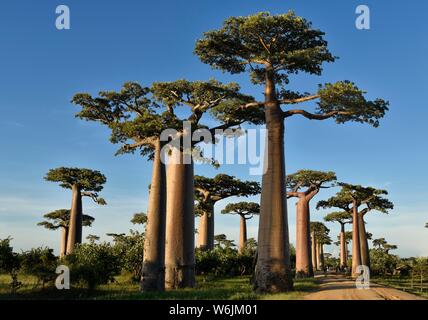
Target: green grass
(236,288)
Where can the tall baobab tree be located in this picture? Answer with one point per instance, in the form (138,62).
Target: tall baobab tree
(200,97)
(60,219)
(82,183)
(211,190)
(305,185)
(319,234)
(136,123)
(343,218)
(350,199)
(246,211)
(271,48)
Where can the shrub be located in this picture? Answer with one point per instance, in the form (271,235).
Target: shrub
(9,263)
(93,264)
(130,249)
(41,263)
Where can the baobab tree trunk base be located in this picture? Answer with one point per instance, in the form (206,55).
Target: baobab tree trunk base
(152,278)
(179,277)
(272,280)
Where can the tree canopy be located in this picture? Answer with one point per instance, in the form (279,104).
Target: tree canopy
(85,179)
(139,218)
(343,217)
(281,45)
(61,218)
(243,209)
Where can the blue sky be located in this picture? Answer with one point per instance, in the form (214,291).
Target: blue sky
(111,42)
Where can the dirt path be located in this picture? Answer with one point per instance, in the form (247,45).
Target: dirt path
(340,288)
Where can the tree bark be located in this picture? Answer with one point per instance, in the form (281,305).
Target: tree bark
(63,247)
(180,223)
(75,225)
(206,229)
(242,234)
(356,253)
(319,259)
(153,274)
(314,252)
(322,262)
(273,269)
(342,246)
(364,245)
(304,267)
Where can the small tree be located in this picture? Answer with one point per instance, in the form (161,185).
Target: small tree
(305,185)
(10,263)
(82,182)
(92,238)
(246,211)
(342,218)
(211,190)
(139,218)
(60,219)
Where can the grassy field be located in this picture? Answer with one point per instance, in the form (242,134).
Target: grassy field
(237,288)
(405,284)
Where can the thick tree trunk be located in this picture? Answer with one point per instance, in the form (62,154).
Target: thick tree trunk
(322,262)
(364,245)
(342,246)
(180,223)
(63,247)
(304,267)
(273,270)
(153,275)
(206,229)
(242,234)
(356,253)
(314,252)
(319,259)
(75,225)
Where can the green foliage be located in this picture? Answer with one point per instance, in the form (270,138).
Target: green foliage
(85,179)
(382,263)
(348,103)
(139,218)
(93,264)
(286,43)
(41,263)
(130,250)
(311,180)
(10,263)
(242,208)
(342,217)
(224,260)
(61,218)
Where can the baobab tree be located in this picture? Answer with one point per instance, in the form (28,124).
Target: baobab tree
(60,219)
(350,198)
(92,238)
(343,218)
(383,245)
(271,48)
(82,183)
(211,190)
(225,102)
(246,211)
(319,235)
(305,185)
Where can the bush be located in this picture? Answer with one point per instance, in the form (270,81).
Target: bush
(382,263)
(41,263)
(9,263)
(93,264)
(224,261)
(130,249)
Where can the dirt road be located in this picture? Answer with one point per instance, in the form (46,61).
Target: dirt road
(339,288)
